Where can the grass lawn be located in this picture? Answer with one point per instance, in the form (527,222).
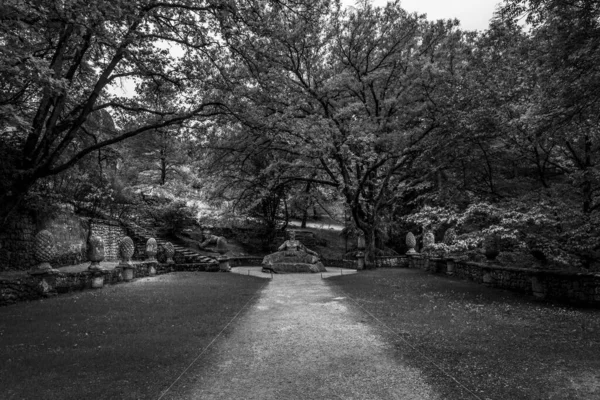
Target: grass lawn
(499,344)
(126,341)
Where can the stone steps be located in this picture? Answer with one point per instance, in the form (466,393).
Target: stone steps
(189,256)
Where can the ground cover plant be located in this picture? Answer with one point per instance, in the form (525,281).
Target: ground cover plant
(123,342)
(499,344)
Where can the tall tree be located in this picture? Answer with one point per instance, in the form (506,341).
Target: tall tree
(360,93)
(59,61)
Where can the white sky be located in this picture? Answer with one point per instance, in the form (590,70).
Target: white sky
(473,14)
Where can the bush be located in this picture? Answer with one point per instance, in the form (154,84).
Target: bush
(175,216)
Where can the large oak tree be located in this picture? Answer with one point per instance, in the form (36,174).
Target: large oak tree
(60,62)
(360,94)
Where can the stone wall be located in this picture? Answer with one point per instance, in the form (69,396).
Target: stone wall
(17,236)
(70,235)
(27,288)
(569,287)
(246,261)
(16,239)
(111,232)
(70,232)
(337,263)
(391,262)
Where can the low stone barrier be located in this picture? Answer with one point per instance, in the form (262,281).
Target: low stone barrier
(337,263)
(33,287)
(246,261)
(570,287)
(391,262)
(249,261)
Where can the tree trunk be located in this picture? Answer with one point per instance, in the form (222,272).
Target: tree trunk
(163,169)
(587,184)
(10,201)
(370,248)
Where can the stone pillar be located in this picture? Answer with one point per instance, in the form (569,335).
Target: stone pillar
(223,259)
(360,261)
(411,242)
(126,249)
(43,251)
(169,252)
(97,279)
(449,266)
(414,260)
(95,253)
(152,268)
(224,264)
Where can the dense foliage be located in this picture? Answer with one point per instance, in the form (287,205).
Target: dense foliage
(60,62)
(271,108)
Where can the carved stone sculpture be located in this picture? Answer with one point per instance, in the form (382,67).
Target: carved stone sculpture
(292,256)
(126,249)
(95,253)
(151,249)
(210,242)
(411,242)
(43,251)
(450,237)
(428,239)
(169,252)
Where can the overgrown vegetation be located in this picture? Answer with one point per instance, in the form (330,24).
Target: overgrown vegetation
(270,109)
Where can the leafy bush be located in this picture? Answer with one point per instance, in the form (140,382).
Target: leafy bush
(555,233)
(175,216)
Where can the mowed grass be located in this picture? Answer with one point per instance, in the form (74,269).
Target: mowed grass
(498,344)
(128,341)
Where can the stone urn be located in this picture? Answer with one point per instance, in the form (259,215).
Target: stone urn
(169,252)
(126,249)
(411,242)
(43,251)
(428,239)
(223,259)
(95,253)
(151,249)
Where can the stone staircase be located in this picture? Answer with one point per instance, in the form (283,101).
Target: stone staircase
(183,255)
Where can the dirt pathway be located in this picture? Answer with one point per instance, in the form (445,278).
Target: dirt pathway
(299,341)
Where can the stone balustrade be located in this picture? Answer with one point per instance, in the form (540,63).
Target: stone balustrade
(568,287)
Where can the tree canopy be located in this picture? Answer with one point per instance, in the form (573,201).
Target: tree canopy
(280,104)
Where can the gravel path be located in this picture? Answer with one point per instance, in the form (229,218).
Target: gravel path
(298,341)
